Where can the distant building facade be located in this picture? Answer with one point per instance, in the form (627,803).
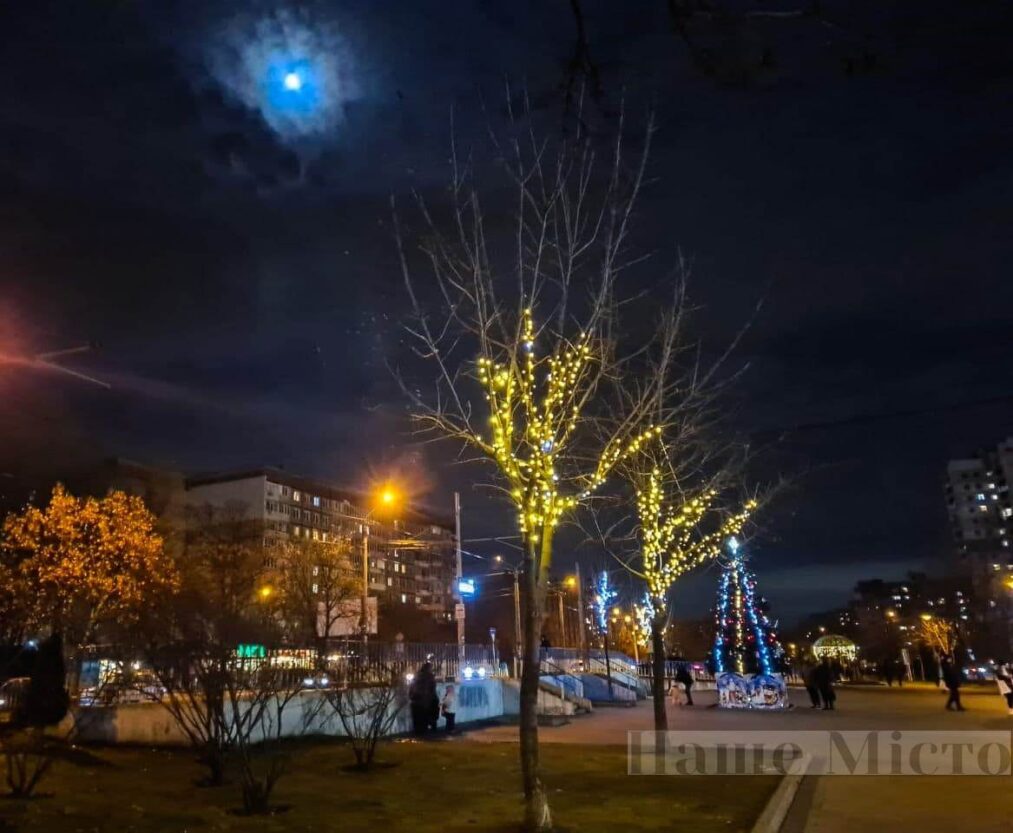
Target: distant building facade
(412,557)
(980,508)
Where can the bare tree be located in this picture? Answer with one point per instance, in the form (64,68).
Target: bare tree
(368,711)
(190,641)
(316,584)
(523,341)
(260,695)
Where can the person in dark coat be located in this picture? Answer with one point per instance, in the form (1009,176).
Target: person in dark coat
(810,679)
(951,677)
(888,671)
(685,679)
(824,678)
(423,701)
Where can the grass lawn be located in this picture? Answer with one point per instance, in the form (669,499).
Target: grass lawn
(431,787)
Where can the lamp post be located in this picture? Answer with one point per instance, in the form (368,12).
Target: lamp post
(458,598)
(581,624)
(388,497)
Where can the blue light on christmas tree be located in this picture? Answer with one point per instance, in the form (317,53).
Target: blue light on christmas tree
(745,640)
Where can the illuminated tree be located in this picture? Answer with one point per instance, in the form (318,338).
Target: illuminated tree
(745,639)
(87,562)
(677,531)
(525,342)
(938,633)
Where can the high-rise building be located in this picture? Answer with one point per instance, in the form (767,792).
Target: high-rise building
(411,557)
(981,518)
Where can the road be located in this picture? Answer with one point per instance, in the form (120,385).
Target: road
(834,804)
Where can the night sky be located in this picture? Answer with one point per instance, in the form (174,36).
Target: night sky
(228,248)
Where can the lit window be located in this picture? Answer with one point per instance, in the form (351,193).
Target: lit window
(979,496)
(316,588)
(295,531)
(316,500)
(390,581)
(404,598)
(296,495)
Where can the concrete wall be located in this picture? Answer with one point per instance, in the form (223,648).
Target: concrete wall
(151,724)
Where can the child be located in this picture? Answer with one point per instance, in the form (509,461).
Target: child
(449,707)
(1004,679)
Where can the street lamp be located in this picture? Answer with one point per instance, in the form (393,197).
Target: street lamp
(387,497)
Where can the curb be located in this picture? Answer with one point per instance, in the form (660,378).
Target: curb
(776,810)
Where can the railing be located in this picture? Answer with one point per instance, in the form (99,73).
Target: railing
(592,661)
(698,670)
(359,662)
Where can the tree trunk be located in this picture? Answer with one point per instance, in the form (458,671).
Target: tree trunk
(658,674)
(536,803)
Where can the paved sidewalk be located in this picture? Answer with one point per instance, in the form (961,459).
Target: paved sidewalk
(839,804)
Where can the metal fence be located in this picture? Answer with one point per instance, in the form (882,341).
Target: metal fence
(375,661)
(698,670)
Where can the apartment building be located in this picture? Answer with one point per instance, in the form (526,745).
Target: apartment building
(411,556)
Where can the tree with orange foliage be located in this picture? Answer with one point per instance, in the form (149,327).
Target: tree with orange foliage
(85,562)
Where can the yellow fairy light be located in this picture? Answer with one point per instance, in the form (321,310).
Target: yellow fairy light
(535,407)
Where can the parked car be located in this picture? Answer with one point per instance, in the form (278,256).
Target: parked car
(140,687)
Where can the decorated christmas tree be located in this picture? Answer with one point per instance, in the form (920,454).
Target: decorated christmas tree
(745,639)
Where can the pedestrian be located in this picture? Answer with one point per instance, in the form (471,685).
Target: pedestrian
(888,672)
(810,683)
(1004,679)
(684,678)
(824,678)
(951,678)
(448,705)
(421,696)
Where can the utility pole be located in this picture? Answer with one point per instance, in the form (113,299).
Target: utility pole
(517,623)
(458,598)
(562,620)
(581,624)
(364,613)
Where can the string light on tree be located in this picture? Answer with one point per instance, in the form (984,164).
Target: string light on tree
(605,594)
(670,532)
(535,406)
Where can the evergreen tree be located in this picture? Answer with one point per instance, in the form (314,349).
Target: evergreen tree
(745,639)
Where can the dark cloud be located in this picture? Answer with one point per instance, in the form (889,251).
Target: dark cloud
(241,282)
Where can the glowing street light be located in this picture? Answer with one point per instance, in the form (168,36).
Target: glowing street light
(926,617)
(388,497)
(293,81)
(265,592)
